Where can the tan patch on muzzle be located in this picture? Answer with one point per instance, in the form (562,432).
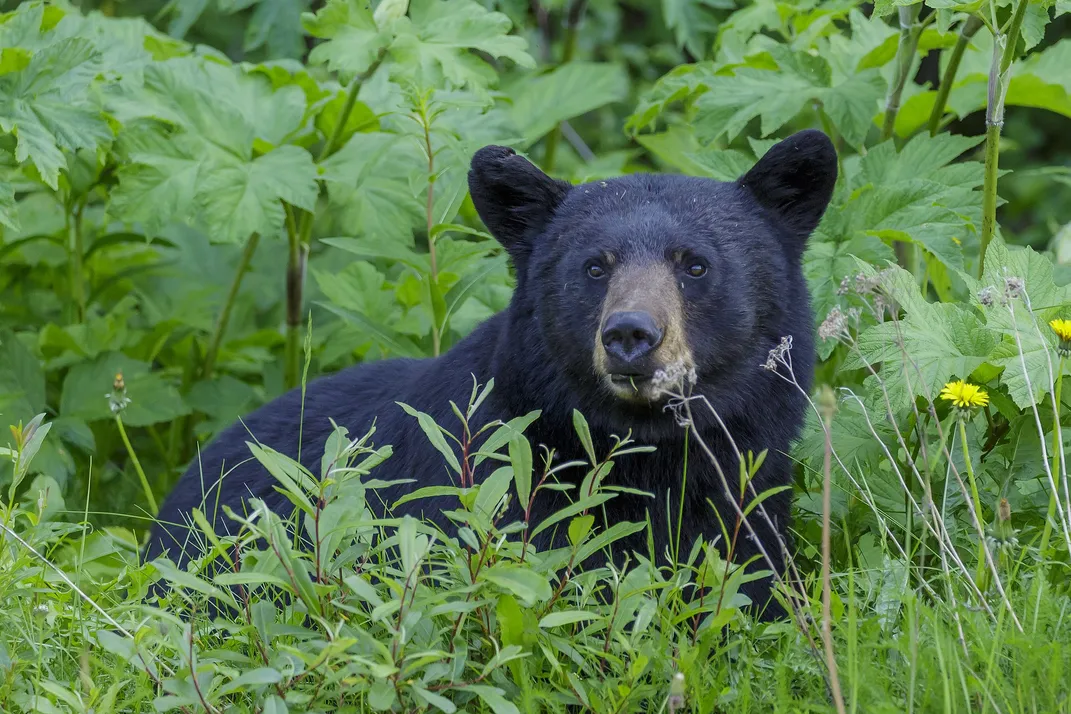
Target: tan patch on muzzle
(652,289)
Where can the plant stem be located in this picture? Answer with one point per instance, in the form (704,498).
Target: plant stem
(977,501)
(137,465)
(295,288)
(77,252)
(228,305)
(905,57)
(299,236)
(1003,54)
(576,11)
(827,406)
(966,33)
(1057,449)
(433,278)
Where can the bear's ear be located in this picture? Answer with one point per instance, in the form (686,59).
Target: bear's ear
(795,180)
(513,197)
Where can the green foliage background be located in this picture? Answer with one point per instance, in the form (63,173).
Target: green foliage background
(219,198)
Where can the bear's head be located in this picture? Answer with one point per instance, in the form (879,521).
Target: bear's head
(646,273)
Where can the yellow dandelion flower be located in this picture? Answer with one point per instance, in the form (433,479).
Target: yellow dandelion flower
(1062,328)
(965,395)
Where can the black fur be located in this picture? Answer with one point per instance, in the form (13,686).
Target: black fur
(751,233)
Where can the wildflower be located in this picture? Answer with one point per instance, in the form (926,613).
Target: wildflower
(779,354)
(1013,287)
(964,395)
(1062,328)
(987,296)
(117,399)
(835,324)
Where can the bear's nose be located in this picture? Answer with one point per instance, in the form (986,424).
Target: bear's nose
(630,336)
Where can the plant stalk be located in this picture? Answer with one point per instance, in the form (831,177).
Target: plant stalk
(827,405)
(77,262)
(966,34)
(905,57)
(1057,450)
(137,465)
(225,314)
(433,278)
(300,235)
(295,288)
(981,572)
(1003,55)
(576,11)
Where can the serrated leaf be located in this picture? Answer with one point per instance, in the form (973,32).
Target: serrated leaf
(47,107)
(1026,336)
(929,346)
(238,199)
(369,179)
(353,40)
(433,44)
(576,88)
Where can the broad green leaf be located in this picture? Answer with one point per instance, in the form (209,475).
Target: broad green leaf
(526,584)
(152,398)
(692,22)
(777,94)
(353,40)
(1026,335)
(433,44)
(932,344)
(8,210)
(827,263)
(160,183)
(369,180)
(47,105)
(576,88)
(22,381)
(243,198)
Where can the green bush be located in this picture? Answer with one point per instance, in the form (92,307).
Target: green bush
(164,202)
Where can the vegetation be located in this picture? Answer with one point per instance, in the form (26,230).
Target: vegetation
(203,203)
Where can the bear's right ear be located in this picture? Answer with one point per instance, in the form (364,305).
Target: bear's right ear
(513,197)
(795,180)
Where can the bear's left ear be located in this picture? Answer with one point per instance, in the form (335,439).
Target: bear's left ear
(795,180)
(513,197)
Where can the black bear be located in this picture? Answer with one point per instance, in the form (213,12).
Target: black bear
(617,280)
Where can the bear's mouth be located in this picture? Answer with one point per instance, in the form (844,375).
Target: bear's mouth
(630,379)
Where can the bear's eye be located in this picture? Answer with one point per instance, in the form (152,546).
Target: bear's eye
(595,271)
(696,270)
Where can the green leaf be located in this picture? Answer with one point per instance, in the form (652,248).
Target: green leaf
(152,398)
(776,95)
(939,342)
(353,40)
(520,456)
(369,180)
(240,199)
(493,697)
(692,22)
(8,210)
(22,381)
(566,617)
(433,44)
(47,106)
(543,101)
(1026,337)
(435,436)
(526,584)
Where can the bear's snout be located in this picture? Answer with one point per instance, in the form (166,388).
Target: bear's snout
(628,338)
